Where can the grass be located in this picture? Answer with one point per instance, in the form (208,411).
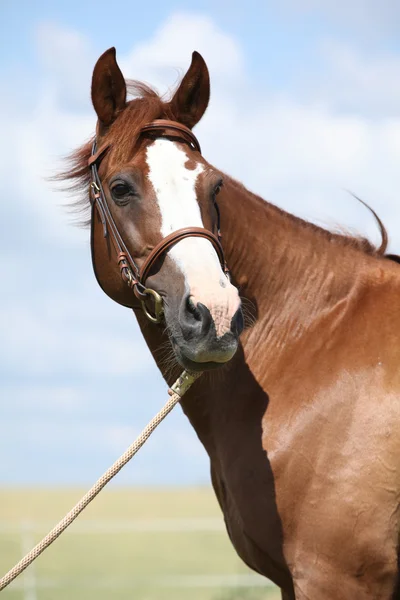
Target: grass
(146,544)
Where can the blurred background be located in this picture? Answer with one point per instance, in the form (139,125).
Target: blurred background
(305,105)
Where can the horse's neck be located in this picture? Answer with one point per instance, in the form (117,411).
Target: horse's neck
(292,272)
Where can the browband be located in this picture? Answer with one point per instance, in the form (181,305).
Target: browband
(157,126)
(164,125)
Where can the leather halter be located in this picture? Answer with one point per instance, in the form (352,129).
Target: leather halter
(131,274)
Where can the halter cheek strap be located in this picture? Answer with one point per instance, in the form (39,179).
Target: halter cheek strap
(131,274)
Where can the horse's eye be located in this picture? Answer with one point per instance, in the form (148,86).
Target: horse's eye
(217,188)
(120,190)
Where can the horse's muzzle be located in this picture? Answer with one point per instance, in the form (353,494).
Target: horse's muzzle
(197,347)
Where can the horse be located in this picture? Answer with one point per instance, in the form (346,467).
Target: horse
(298,404)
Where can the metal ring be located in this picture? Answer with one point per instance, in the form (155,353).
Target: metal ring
(131,280)
(158,306)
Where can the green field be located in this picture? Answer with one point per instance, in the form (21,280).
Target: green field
(142,544)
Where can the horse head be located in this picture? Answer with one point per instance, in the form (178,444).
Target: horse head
(155,218)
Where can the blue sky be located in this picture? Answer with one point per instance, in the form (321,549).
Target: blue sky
(305,103)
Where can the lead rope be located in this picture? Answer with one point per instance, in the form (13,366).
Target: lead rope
(176,392)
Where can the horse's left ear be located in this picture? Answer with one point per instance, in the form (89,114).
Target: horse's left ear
(108,89)
(191,98)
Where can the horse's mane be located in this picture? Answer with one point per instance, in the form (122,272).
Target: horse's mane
(340,236)
(146,106)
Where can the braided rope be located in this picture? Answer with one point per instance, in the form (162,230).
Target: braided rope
(176,392)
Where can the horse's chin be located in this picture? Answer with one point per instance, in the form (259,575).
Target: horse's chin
(196,366)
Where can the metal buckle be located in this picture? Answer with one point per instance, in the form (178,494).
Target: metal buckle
(158,306)
(95,188)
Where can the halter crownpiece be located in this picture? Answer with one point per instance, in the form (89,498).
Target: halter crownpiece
(133,276)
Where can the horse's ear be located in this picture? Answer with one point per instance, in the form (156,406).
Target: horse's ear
(191,98)
(108,88)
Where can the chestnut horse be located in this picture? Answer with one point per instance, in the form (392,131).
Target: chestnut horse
(302,420)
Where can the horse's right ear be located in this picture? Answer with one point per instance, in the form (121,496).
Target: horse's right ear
(192,96)
(108,89)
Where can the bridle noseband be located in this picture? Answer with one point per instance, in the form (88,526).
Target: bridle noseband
(131,274)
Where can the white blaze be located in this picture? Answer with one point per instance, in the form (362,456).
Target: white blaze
(175,188)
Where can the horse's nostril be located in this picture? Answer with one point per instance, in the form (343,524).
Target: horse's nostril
(192,309)
(206,318)
(197,318)
(237,323)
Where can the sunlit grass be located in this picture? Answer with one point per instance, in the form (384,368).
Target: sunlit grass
(146,544)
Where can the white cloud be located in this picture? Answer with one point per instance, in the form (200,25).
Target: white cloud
(366,83)
(165,57)
(39,132)
(68,59)
(36,144)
